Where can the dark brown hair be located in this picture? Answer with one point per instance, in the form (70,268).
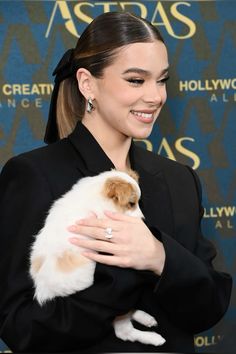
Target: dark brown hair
(95,50)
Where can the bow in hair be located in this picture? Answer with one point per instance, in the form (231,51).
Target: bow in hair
(65,67)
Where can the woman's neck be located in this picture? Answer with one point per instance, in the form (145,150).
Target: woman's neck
(115,145)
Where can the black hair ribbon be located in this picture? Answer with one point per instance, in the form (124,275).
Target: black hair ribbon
(64,69)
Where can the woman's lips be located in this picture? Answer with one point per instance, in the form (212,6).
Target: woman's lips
(144,116)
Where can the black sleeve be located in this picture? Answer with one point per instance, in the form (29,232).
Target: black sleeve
(193,294)
(65,324)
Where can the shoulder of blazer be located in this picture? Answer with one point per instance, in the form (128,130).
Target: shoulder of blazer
(180,178)
(57,162)
(54,154)
(154,163)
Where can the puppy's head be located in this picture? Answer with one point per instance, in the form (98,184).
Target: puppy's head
(124,191)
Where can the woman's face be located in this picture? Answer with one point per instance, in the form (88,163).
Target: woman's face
(132,91)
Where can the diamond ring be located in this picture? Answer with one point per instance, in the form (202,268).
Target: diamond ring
(108,233)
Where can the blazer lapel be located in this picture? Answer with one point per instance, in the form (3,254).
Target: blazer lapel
(155,200)
(92,160)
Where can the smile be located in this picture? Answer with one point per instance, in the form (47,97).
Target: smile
(141,114)
(144,116)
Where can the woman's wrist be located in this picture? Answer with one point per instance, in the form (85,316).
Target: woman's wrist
(158,258)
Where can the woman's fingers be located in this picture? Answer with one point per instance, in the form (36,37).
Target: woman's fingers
(120,216)
(94,245)
(104,234)
(115,218)
(122,238)
(107,259)
(102,224)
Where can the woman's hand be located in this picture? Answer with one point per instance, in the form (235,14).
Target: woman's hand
(132,245)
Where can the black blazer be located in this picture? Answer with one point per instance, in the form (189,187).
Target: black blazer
(190,296)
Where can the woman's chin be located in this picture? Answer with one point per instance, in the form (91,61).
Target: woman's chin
(143,134)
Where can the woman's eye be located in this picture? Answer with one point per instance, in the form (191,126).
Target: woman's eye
(163,80)
(136,82)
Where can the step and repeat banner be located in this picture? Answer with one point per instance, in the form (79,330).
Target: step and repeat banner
(197,126)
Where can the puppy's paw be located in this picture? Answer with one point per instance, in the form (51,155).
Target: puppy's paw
(154,339)
(144,318)
(151,322)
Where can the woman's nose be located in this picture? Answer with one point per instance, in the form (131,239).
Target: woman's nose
(155,93)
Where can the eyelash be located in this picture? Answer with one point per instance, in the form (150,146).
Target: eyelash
(166,78)
(137,82)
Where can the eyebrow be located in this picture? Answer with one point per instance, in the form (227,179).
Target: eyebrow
(144,72)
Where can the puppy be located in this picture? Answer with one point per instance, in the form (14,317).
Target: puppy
(59,269)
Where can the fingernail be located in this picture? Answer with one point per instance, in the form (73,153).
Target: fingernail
(91,214)
(73,240)
(79,222)
(72,228)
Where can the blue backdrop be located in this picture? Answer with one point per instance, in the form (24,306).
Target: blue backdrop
(197,126)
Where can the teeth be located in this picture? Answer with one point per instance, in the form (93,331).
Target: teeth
(143,115)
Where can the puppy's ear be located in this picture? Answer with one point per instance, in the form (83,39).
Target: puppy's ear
(121,192)
(133,174)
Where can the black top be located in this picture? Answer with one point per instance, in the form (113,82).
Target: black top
(189,297)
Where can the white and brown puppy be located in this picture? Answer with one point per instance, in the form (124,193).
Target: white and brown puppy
(58,268)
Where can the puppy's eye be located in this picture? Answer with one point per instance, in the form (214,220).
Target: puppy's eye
(131,204)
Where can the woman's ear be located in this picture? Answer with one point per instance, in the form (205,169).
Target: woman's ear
(85,82)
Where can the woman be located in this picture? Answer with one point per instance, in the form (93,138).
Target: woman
(108,90)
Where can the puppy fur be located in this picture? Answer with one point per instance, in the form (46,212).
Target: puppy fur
(56,266)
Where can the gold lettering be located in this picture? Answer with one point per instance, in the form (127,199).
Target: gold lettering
(45,89)
(190,24)
(220,211)
(183,85)
(25,103)
(82,16)
(16,89)
(229,225)
(213,98)
(38,102)
(6,89)
(65,13)
(63,7)
(142,7)
(192,85)
(165,22)
(179,147)
(11,103)
(225,84)
(208,87)
(106,5)
(212,213)
(224,98)
(147,143)
(215,83)
(25,89)
(218,225)
(165,145)
(199,341)
(230,210)
(233,84)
